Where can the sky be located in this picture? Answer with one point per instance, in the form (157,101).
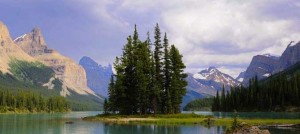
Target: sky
(221,33)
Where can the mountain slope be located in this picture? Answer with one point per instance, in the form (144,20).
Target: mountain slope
(70,73)
(206,83)
(9,51)
(261,66)
(98,77)
(289,57)
(213,79)
(21,68)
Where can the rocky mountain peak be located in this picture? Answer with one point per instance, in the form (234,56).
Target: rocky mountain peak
(98,76)
(213,74)
(88,62)
(261,66)
(32,43)
(290,56)
(4,34)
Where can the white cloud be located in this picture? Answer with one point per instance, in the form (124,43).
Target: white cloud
(218,33)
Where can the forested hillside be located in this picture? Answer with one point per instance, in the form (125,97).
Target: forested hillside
(279,92)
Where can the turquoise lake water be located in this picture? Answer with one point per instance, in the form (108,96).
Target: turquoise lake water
(56,124)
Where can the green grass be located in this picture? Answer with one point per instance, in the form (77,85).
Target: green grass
(184,119)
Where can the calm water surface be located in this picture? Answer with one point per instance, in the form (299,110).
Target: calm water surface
(56,124)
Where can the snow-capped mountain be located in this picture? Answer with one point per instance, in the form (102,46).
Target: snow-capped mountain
(212,74)
(206,83)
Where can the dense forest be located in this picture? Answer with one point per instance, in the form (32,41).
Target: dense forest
(273,94)
(149,77)
(204,104)
(29,101)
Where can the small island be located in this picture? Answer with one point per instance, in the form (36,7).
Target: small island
(149,85)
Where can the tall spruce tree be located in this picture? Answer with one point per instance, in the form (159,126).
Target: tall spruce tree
(158,67)
(178,83)
(167,77)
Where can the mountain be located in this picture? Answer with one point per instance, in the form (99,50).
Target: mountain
(98,76)
(266,65)
(72,75)
(261,66)
(214,78)
(206,83)
(241,77)
(27,64)
(289,57)
(9,51)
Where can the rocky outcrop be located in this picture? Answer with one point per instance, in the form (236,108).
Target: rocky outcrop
(98,76)
(244,128)
(9,50)
(70,73)
(261,66)
(32,43)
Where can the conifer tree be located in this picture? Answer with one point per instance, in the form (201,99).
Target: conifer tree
(167,78)
(178,83)
(158,66)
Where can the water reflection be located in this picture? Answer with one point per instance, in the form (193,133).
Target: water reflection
(159,129)
(56,124)
(263,115)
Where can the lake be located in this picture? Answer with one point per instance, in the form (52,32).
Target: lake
(56,124)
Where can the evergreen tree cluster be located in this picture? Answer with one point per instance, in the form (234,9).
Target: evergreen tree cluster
(29,101)
(149,77)
(272,94)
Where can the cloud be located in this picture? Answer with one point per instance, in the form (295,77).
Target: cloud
(219,33)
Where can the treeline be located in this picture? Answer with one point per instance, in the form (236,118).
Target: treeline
(273,94)
(204,104)
(147,80)
(29,101)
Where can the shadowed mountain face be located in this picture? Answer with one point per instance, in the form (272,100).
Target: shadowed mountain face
(289,57)
(98,76)
(261,66)
(266,65)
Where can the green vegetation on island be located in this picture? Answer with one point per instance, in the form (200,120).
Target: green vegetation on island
(185,119)
(147,80)
(280,92)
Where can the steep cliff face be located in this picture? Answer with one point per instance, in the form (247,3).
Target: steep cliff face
(70,73)
(9,50)
(261,66)
(32,43)
(289,57)
(98,76)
